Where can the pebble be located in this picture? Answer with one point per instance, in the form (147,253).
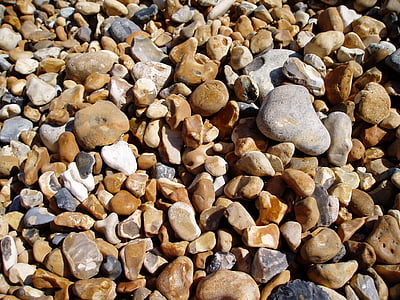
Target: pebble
(283,121)
(255,163)
(12,128)
(119,157)
(82,255)
(364,286)
(321,247)
(209,97)
(9,252)
(227,284)
(9,39)
(221,261)
(182,219)
(121,28)
(299,289)
(158,72)
(325,43)
(103,288)
(99,124)
(266,69)
(37,216)
(268,263)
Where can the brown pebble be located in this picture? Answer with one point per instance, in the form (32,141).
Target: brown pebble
(124,203)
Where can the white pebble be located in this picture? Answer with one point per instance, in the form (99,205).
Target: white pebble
(120,157)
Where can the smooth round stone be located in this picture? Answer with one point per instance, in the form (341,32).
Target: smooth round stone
(9,39)
(119,157)
(65,200)
(373,103)
(49,134)
(298,289)
(325,43)
(82,65)
(240,57)
(255,163)
(246,89)
(339,126)
(100,288)
(82,255)
(111,267)
(182,219)
(209,97)
(266,69)
(244,187)
(85,163)
(221,261)
(183,15)
(9,252)
(30,198)
(99,124)
(334,275)
(304,74)
(227,284)
(176,279)
(291,232)
(13,127)
(321,247)
(87,8)
(37,216)
(124,203)
(287,115)
(114,8)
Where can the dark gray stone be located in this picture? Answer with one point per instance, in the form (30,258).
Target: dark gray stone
(111,267)
(322,197)
(9,98)
(37,216)
(299,289)
(65,200)
(144,15)
(122,28)
(221,261)
(13,127)
(247,109)
(58,238)
(267,263)
(84,34)
(85,162)
(163,171)
(393,61)
(392,25)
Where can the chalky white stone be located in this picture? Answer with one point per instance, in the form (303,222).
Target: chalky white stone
(9,253)
(26,66)
(181,216)
(339,126)
(38,91)
(119,157)
(287,115)
(76,188)
(21,273)
(88,182)
(9,39)
(158,72)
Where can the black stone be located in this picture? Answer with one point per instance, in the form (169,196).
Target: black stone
(221,261)
(299,290)
(392,25)
(65,200)
(84,162)
(160,170)
(144,15)
(393,61)
(121,28)
(111,267)
(247,110)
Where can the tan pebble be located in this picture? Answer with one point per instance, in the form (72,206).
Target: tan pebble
(372,136)
(106,248)
(226,119)
(200,259)
(56,263)
(261,41)
(94,207)
(102,287)
(43,279)
(209,97)
(238,217)
(255,163)
(130,286)
(136,184)
(153,219)
(67,147)
(371,75)
(283,13)
(357,151)
(146,161)
(192,131)
(270,208)
(342,191)
(240,57)
(330,19)
(37,157)
(124,203)
(325,43)
(203,195)
(278,280)
(218,46)
(75,220)
(244,26)
(193,159)
(299,181)
(96,81)
(182,219)
(132,256)
(262,236)
(40,250)
(338,84)
(367,26)
(348,228)
(178,110)
(114,182)
(204,242)
(291,232)
(244,187)
(307,213)
(186,48)
(247,137)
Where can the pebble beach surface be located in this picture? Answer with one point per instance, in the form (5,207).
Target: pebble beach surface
(203,150)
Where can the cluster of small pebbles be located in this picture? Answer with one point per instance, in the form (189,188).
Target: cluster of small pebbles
(203,149)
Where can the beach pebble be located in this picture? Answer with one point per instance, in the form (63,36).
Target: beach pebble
(103,288)
(158,72)
(120,157)
(299,289)
(9,39)
(268,263)
(324,43)
(284,120)
(12,128)
(209,97)
(182,219)
(221,261)
(255,163)
(121,28)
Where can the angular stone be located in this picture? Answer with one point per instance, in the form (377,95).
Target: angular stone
(221,261)
(159,73)
(74,220)
(299,289)
(262,236)
(37,216)
(255,163)
(270,208)
(132,256)
(38,91)
(283,120)
(9,252)
(82,254)
(267,263)
(364,287)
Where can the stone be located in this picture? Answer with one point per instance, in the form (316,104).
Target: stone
(132,256)
(226,284)
(119,157)
(108,226)
(339,126)
(299,181)
(299,289)
(144,92)
(373,103)
(9,165)
(268,263)
(100,124)
(143,49)
(102,288)
(21,273)
(291,232)
(9,38)
(9,252)
(361,203)
(266,69)
(270,208)
(26,66)
(283,120)
(247,137)
(243,187)
(218,46)
(182,219)
(255,163)
(124,203)
(307,213)
(334,275)
(79,67)
(364,286)
(246,89)
(175,280)
(240,57)
(85,163)
(122,28)
(321,247)
(330,19)
(209,97)
(49,134)
(324,43)
(262,236)
(111,267)
(37,216)
(304,74)
(158,72)
(12,128)
(76,220)
(385,239)
(221,261)
(238,217)
(120,92)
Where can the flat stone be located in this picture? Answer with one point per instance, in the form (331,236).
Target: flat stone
(175,280)
(21,273)
(283,120)
(267,263)
(121,28)
(30,198)
(9,252)
(182,219)
(82,254)
(13,127)
(143,49)
(266,69)
(364,287)
(75,220)
(100,124)
(262,236)
(299,289)
(209,97)
(227,284)
(82,65)
(85,163)
(132,256)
